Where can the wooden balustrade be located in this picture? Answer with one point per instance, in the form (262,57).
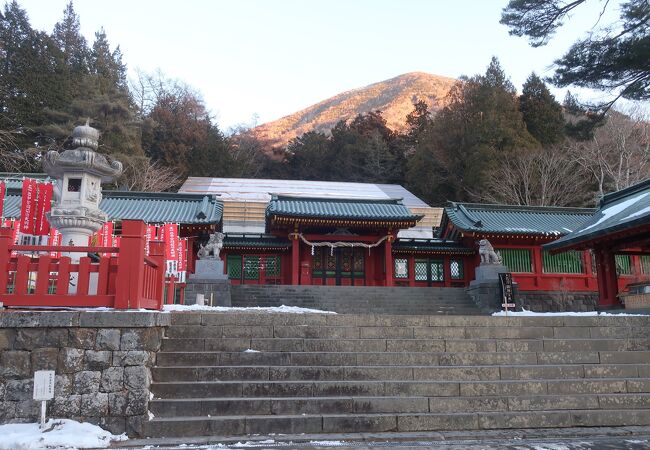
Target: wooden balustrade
(129,281)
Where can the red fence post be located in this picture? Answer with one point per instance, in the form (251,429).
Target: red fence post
(5,256)
(130,272)
(157,253)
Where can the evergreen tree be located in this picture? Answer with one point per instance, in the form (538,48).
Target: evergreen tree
(541,112)
(480,125)
(613,57)
(67,35)
(309,157)
(30,76)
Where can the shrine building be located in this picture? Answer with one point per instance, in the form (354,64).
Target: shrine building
(297,232)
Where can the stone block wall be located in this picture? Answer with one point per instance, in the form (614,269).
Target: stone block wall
(487,296)
(102,361)
(557,301)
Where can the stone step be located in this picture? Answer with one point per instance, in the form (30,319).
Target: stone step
(347,354)
(403,331)
(461,373)
(319,388)
(349,405)
(615,325)
(366,422)
(405,344)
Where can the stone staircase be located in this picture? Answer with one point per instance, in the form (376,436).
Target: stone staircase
(359,299)
(224,374)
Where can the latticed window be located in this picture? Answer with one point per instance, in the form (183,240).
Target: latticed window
(437,271)
(565,262)
(429,270)
(272,266)
(645,264)
(401,268)
(251,267)
(623,264)
(516,259)
(421,270)
(233,263)
(456,268)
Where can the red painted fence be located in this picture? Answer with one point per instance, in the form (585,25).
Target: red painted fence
(129,281)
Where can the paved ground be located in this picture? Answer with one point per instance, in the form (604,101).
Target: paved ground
(627,438)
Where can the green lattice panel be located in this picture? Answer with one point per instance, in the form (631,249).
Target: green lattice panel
(645,264)
(272,266)
(623,264)
(516,259)
(234,267)
(252,267)
(565,262)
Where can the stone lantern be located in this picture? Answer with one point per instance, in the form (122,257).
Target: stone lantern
(79,173)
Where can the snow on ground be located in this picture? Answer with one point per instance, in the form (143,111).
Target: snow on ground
(526,313)
(271,309)
(58,434)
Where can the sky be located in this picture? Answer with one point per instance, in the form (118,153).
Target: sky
(259,60)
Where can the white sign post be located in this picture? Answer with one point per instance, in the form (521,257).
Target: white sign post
(43,390)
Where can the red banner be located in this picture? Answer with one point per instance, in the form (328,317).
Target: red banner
(171,241)
(55,240)
(182,255)
(149,236)
(44,205)
(28,207)
(106,237)
(3,190)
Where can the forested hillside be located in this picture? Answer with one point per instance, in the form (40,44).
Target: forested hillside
(486,143)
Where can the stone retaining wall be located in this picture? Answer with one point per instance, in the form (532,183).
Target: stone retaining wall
(102,361)
(557,301)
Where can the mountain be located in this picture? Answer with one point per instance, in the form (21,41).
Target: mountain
(393,97)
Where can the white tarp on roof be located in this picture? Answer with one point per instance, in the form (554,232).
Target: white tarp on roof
(244,189)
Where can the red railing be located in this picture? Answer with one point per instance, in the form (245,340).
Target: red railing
(129,281)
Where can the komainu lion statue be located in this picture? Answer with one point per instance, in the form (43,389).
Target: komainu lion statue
(487,253)
(212,248)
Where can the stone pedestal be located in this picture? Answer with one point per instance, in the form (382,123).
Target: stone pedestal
(485,289)
(210,280)
(489,272)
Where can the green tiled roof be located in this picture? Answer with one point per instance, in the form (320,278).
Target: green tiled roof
(621,210)
(514,220)
(14,180)
(239,240)
(151,207)
(342,209)
(430,246)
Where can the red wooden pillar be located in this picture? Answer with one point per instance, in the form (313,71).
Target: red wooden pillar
(5,256)
(157,253)
(411,260)
(295,258)
(538,266)
(388,258)
(607,278)
(446,271)
(130,269)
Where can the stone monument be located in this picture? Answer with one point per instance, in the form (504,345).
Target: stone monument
(209,278)
(79,174)
(485,289)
